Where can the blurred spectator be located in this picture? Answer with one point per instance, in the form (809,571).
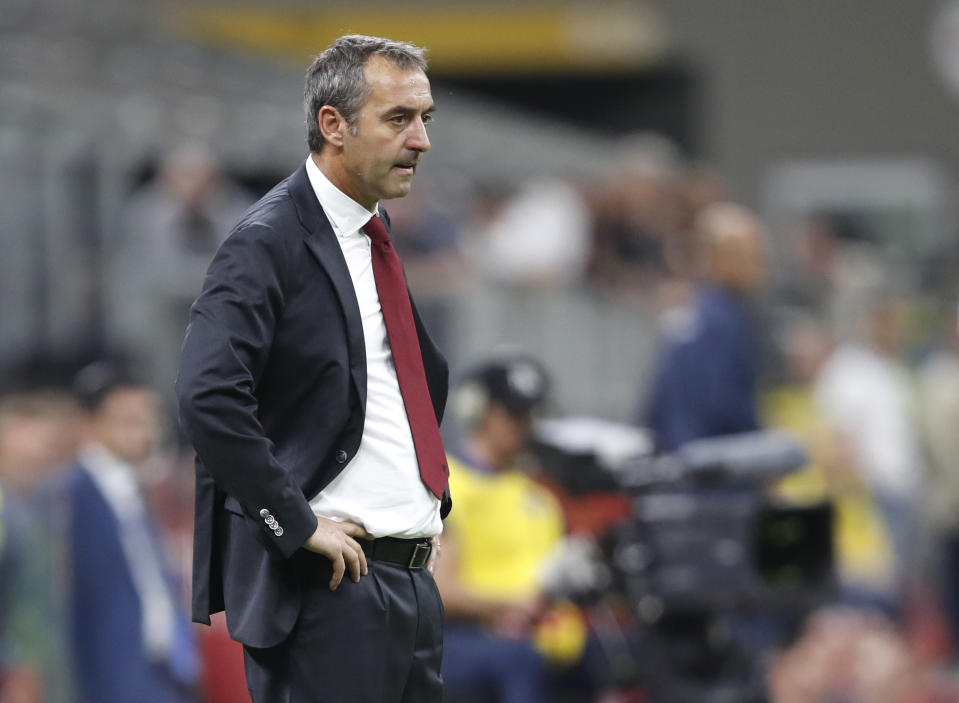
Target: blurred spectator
(705,380)
(938,381)
(836,269)
(497,543)
(156,261)
(538,238)
(21,675)
(131,640)
(854,657)
(861,545)
(37,433)
(644,210)
(864,392)
(699,186)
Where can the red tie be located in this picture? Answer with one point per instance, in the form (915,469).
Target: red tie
(407,358)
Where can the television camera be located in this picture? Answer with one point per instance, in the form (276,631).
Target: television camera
(708,573)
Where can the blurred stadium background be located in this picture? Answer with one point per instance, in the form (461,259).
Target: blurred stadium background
(777,100)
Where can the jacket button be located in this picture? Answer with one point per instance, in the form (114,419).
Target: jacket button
(264,512)
(341,456)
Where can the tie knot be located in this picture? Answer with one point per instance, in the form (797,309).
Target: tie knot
(376,230)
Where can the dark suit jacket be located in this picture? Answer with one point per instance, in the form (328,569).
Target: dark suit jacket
(111,663)
(705,381)
(272,390)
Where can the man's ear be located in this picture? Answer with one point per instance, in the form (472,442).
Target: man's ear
(332,125)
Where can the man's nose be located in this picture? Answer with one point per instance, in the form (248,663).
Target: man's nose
(418,140)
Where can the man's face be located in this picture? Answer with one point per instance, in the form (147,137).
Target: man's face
(381,153)
(33,445)
(751,258)
(739,261)
(127,424)
(509,432)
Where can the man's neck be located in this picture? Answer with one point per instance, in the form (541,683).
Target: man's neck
(332,168)
(94,446)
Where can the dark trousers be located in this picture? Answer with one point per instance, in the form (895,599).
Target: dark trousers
(376,641)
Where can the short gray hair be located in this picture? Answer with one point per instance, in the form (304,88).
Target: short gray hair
(336,77)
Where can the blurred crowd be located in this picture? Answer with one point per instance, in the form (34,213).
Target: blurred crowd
(811,331)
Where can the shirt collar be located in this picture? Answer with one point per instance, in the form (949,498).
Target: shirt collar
(345,214)
(115,478)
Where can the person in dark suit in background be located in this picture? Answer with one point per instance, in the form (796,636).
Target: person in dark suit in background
(313,395)
(131,639)
(705,381)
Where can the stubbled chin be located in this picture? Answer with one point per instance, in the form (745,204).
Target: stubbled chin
(398,190)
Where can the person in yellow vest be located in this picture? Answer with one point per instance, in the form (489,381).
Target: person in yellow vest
(504,528)
(861,540)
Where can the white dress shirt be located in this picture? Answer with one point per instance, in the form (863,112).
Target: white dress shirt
(380,488)
(867,397)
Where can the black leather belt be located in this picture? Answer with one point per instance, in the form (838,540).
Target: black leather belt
(411,553)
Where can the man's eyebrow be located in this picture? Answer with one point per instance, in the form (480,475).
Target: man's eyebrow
(407,110)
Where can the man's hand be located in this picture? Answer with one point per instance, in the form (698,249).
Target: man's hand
(434,554)
(335,540)
(515,619)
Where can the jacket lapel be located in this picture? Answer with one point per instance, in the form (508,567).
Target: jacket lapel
(323,245)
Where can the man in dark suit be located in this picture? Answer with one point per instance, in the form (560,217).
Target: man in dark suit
(131,640)
(704,383)
(312,395)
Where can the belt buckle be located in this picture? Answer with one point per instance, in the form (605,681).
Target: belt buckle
(426,547)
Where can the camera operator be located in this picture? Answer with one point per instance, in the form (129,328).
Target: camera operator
(505,525)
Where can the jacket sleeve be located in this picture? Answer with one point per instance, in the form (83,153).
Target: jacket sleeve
(226,348)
